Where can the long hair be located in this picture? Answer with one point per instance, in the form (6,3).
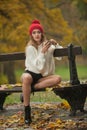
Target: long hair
(33,42)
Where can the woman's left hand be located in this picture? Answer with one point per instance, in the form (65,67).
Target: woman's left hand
(54,42)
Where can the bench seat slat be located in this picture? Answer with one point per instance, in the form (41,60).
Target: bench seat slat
(63,88)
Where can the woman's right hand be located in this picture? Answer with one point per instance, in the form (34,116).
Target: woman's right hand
(46,46)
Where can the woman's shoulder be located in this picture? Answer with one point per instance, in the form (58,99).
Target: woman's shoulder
(30,47)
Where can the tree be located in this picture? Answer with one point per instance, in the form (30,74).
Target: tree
(82,7)
(16,15)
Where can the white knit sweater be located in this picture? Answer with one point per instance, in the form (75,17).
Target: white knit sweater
(38,62)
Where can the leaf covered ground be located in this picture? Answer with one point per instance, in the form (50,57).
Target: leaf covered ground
(45,116)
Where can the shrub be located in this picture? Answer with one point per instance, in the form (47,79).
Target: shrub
(3,79)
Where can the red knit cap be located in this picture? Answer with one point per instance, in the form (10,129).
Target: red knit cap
(35,25)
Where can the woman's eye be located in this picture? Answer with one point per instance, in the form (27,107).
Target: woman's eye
(38,32)
(33,32)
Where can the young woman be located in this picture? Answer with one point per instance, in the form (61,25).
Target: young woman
(40,66)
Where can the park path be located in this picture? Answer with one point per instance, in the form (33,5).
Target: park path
(47,112)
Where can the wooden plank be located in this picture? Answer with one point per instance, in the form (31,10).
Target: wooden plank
(64,51)
(10,90)
(12,56)
(18,89)
(63,88)
(21,55)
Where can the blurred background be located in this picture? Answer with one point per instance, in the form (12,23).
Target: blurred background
(63,20)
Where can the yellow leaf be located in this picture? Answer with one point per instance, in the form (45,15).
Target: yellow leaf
(58,121)
(49,89)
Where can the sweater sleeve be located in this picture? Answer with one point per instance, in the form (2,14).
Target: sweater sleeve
(33,59)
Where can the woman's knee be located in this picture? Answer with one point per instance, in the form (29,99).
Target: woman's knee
(27,78)
(57,79)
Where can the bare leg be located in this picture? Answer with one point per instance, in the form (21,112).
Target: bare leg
(48,81)
(26,87)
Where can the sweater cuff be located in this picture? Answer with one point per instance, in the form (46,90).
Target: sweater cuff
(42,55)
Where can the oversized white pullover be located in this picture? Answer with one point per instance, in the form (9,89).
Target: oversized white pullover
(38,62)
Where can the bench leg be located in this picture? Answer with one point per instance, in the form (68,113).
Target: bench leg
(76,98)
(2,100)
(76,104)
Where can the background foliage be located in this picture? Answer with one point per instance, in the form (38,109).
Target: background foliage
(63,20)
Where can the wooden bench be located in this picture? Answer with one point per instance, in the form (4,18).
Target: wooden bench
(75,94)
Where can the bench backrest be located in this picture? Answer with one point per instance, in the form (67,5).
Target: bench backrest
(70,51)
(57,53)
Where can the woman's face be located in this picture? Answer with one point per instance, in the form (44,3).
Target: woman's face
(37,35)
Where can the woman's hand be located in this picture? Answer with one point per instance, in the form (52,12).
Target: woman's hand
(46,46)
(52,41)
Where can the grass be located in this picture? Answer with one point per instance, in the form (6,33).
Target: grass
(82,71)
(37,97)
(64,72)
(47,96)
(13,98)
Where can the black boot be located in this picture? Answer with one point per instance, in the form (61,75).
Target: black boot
(27,115)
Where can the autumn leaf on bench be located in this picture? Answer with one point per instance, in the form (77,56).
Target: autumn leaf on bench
(10,86)
(63,84)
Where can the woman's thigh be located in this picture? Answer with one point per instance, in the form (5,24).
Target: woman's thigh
(49,77)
